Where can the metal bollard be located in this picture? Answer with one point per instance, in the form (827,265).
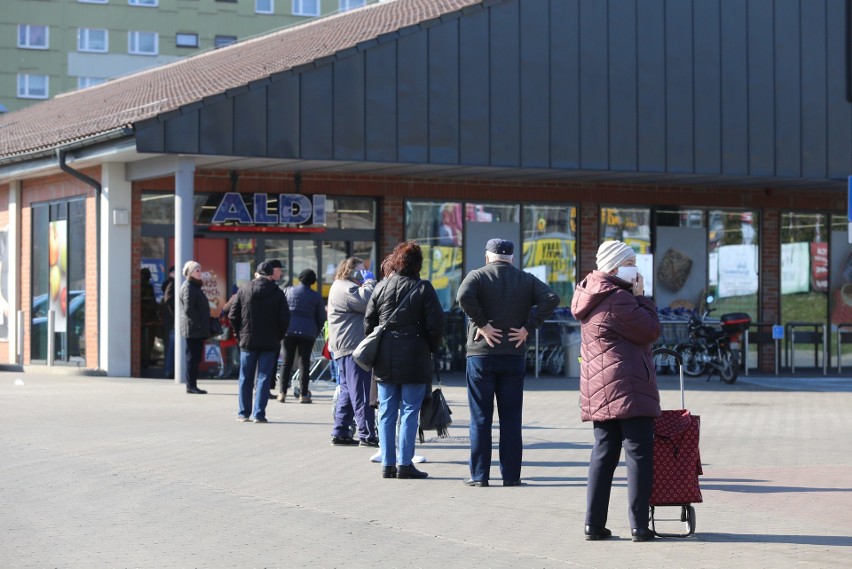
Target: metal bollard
(19,348)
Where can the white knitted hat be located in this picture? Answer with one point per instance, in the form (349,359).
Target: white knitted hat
(612,253)
(190,266)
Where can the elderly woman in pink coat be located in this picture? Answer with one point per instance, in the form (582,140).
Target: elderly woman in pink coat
(618,385)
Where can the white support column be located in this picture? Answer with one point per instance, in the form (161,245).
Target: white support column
(115,270)
(184,233)
(13,258)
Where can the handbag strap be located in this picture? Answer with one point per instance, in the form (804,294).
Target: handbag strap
(398,306)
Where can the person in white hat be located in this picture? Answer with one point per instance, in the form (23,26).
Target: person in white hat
(618,385)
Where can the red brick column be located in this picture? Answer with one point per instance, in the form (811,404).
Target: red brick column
(588,238)
(390,226)
(769,301)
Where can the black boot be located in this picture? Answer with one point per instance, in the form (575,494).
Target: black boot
(642,534)
(389,472)
(408,471)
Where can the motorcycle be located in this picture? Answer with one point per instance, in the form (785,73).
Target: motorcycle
(714,348)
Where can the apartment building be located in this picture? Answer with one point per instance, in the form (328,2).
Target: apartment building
(51,46)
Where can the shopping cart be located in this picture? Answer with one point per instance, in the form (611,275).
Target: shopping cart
(677,462)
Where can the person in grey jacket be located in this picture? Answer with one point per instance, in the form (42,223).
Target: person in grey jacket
(259,316)
(347,302)
(504,305)
(194,324)
(307,315)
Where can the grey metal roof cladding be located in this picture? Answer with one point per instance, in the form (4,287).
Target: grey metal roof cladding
(121,103)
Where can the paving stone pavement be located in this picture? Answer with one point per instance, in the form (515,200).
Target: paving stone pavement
(109,472)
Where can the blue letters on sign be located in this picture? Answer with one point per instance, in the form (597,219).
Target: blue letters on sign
(232,208)
(294,208)
(261,211)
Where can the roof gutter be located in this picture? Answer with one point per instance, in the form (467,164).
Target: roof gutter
(49,152)
(61,154)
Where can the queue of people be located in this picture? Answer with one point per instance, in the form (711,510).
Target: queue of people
(618,388)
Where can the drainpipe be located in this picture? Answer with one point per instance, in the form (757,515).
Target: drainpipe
(60,156)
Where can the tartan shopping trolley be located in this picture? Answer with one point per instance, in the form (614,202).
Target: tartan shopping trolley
(677,462)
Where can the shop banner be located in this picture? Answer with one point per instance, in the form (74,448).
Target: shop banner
(819,267)
(58,273)
(737,270)
(213,255)
(795,273)
(158,275)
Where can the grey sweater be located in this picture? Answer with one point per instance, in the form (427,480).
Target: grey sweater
(506,297)
(347,303)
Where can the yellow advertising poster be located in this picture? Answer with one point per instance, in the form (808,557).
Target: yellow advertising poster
(58,273)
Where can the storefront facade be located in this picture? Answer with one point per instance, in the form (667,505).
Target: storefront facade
(660,124)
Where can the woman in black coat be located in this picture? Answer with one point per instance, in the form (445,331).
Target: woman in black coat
(403,368)
(194,322)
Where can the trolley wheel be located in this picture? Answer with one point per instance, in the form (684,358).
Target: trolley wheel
(690,518)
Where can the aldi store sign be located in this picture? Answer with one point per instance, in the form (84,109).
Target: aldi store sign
(270,209)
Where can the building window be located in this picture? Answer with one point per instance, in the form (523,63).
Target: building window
(222,41)
(351,4)
(89,39)
(83,82)
(264,6)
(142,43)
(186,40)
(33,37)
(143,2)
(32,86)
(306,8)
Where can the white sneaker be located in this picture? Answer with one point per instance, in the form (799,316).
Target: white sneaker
(377,457)
(418,459)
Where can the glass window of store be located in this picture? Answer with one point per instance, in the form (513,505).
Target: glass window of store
(804,275)
(58,281)
(550,246)
(437,227)
(734,261)
(840,288)
(633,226)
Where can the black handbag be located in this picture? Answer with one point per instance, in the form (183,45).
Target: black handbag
(215,327)
(435,413)
(367,351)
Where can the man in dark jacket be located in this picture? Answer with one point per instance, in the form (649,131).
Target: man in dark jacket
(504,305)
(167,310)
(260,317)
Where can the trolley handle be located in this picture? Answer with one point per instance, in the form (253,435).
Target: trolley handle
(679,359)
(668,352)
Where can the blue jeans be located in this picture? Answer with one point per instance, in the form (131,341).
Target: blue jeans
(354,401)
(501,376)
(402,402)
(262,362)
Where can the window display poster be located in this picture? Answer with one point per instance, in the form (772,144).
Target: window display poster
(158,275)
(213,255)
(819,267)
(795,276)
(58,273)
(737,270)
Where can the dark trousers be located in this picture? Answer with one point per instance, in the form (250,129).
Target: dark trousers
(304,346)
(636,435)
(500,376)
(354,401)
(194,351)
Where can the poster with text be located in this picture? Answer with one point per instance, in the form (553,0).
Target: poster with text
(737,270)
(794,268)
(213,255)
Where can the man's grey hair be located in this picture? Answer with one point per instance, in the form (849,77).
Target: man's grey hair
(495,257)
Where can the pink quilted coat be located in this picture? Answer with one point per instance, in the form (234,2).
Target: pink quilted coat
(617,378)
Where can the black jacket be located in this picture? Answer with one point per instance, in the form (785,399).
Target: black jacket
(307,311)
(195,310)
(405,353)
(260,315)
(506,297)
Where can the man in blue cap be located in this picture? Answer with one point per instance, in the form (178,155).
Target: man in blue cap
(503,305)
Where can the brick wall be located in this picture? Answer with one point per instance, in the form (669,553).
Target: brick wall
(10,314)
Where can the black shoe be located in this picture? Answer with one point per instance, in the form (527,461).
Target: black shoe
(195,390)
(343,441)
(389,472)
(477,483)
(369,442)
(408,471)
(642,534)
(594,533)
(511,483)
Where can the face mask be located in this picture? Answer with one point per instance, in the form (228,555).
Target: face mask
(627,274)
